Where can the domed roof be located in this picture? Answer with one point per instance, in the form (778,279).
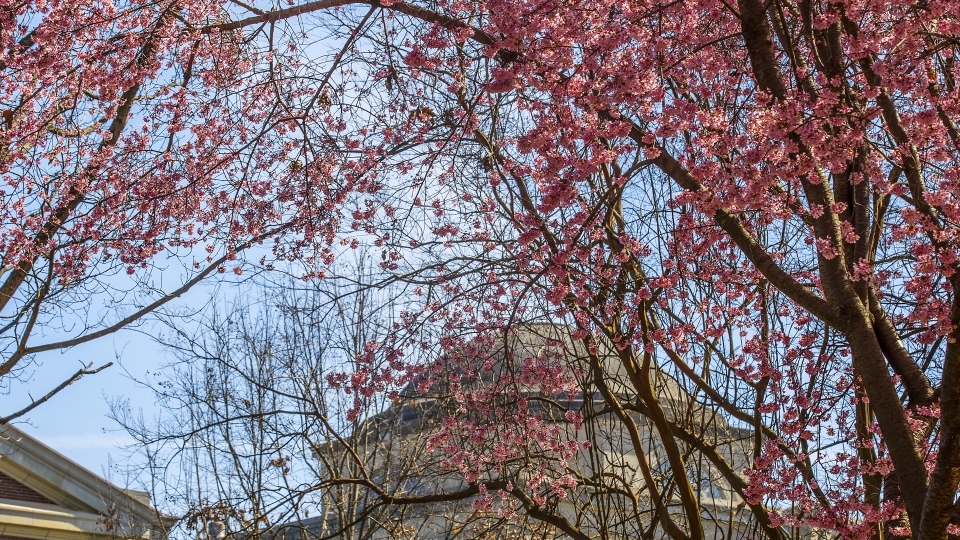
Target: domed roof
(548,341)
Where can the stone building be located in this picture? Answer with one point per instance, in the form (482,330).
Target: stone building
(389,448)
(45,496)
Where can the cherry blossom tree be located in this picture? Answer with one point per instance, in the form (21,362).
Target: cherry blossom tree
(764,186)
(756,197)
(150,146)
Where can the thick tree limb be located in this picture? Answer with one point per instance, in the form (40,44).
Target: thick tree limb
(761,260)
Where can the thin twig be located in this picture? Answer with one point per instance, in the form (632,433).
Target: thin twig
(85,370)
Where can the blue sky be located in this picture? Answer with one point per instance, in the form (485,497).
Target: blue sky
(75,422)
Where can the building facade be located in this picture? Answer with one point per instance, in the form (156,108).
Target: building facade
(46,496)
(611,499)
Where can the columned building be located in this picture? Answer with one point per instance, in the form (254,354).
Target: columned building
(612,501)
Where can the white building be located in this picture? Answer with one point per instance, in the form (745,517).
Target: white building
(611,501)
(45,496)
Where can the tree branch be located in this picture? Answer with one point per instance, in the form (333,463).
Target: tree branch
(85,370)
